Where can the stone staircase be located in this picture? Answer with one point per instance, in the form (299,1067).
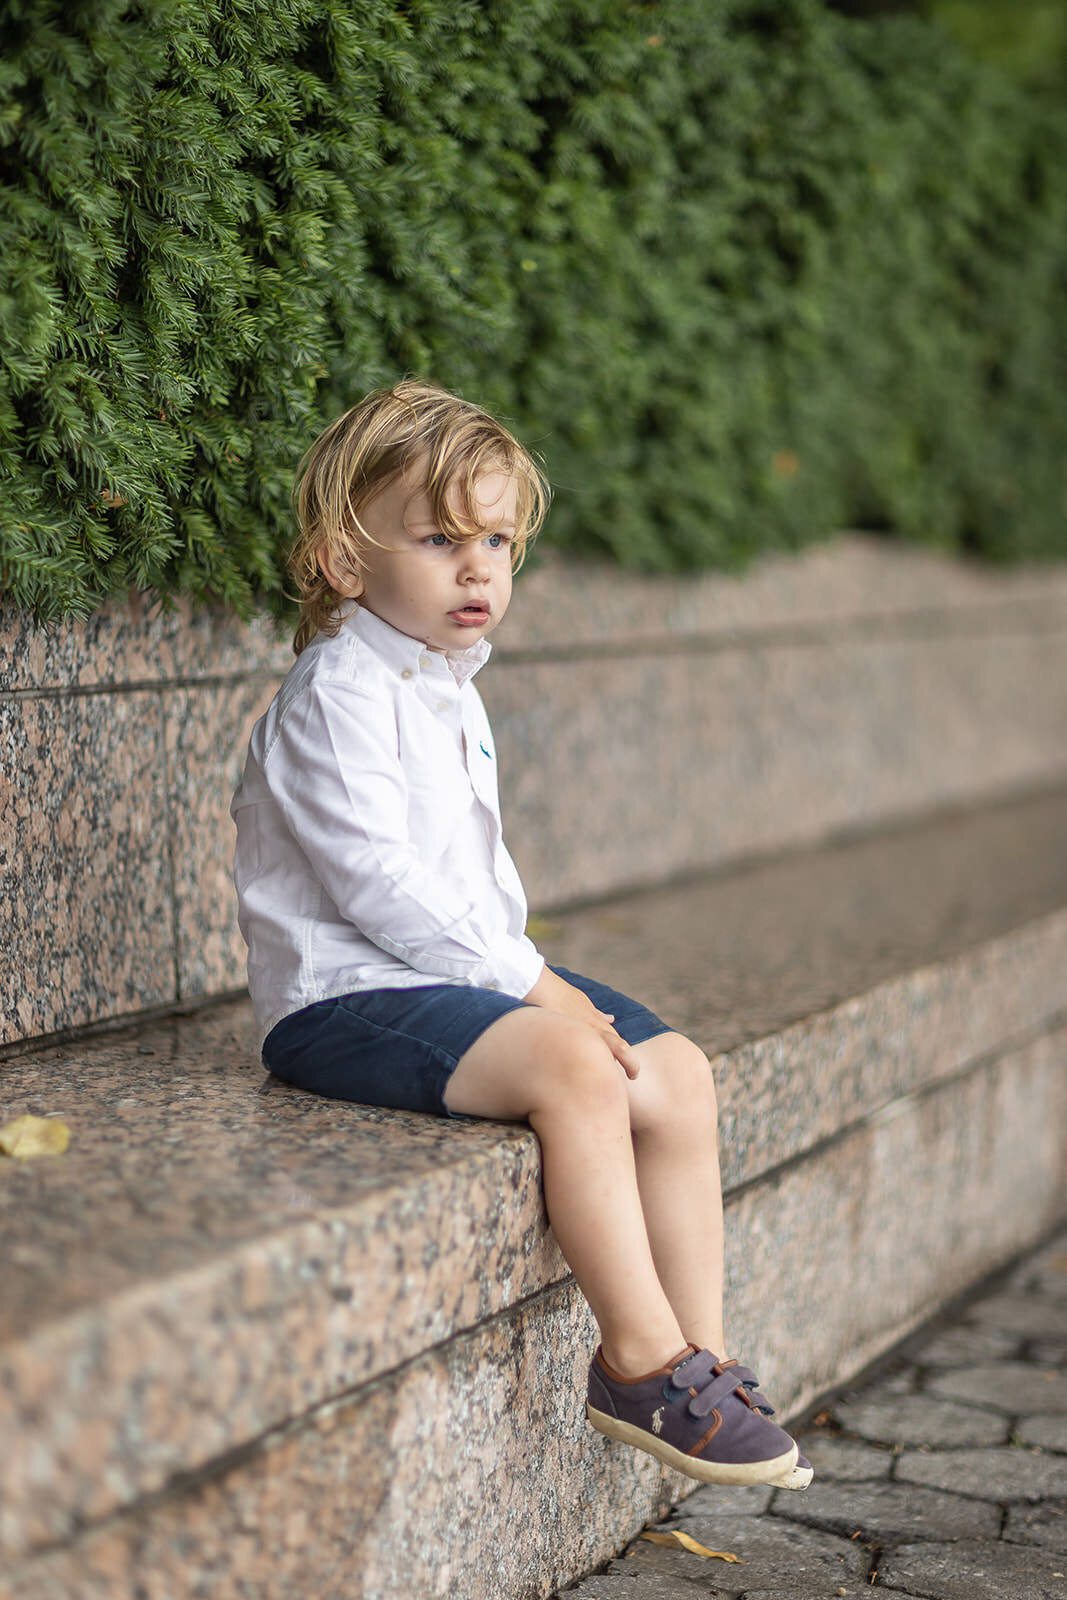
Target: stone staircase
(257,1344)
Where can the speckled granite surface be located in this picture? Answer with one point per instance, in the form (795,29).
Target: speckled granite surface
(389,1493)
(625,772)
(469,1470)
(241,1332)
(207,729)
(209,1261)
(855,579)
(834,1258)
(130,642)
(788,970)
(712,718)
(85,898)
(560,603)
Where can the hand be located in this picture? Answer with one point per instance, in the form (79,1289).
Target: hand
(554,993)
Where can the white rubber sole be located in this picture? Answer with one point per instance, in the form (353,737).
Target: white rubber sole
(728,1472)
(799,1478)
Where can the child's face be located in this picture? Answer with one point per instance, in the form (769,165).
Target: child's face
(446,595)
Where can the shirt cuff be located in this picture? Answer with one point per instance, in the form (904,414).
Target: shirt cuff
(513,967)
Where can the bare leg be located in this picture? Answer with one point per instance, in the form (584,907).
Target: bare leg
(560,1076)
(674,1121)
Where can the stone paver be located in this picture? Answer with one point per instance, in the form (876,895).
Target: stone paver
(1015,1387)
(944,1477)
(974,1572)
(725,1502)
(918,1419)
(855,1590)
(877,1512)
(1044,1524)
(1045,1272)
(769,1549)
(1047,1433)
(1038,1314)
(634,1586)
(834,1457)
(1051,1279)
(905,1380)
(1005,1474)
(966,1347)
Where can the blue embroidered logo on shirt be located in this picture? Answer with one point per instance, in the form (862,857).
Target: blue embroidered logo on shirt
(484,751)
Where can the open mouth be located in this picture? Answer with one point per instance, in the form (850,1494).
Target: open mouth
(472,613)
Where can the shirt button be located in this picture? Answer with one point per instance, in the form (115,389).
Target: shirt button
(490,986)
(442,705)
(425,661)
(407,673)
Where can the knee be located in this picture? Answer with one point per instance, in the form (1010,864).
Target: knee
(700,1074)
(680,1086)
(697,1078)
(583,1077)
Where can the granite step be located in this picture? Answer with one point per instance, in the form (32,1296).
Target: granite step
(255,1342)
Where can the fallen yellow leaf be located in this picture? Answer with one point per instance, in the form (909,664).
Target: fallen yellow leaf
(29,1136)
(687,1542)
(538,928)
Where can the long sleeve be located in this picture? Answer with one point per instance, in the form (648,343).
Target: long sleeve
(335,772)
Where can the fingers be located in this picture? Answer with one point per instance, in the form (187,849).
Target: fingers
(622,1052)
(601,1020)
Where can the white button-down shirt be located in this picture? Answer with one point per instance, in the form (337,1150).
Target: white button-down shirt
(369,847)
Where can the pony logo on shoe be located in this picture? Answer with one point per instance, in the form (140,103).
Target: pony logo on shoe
(657,1420)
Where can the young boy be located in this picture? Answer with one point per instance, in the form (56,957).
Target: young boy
(388,959)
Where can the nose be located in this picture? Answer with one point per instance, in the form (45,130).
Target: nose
(474,567)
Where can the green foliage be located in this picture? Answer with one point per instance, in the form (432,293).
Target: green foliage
(742,272)
(1028,41)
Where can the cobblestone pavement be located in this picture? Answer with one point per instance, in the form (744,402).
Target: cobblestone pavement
(943,1476)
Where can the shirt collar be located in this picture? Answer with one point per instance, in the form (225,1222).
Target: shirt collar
(400,651)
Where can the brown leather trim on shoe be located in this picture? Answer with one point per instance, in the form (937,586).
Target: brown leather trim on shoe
(712,1431)
(617,1377)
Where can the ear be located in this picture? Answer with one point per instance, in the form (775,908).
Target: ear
(343,579)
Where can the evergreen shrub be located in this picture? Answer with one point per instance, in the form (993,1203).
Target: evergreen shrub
(743,272)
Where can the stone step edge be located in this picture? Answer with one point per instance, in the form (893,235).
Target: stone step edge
(928,1023)
(125,1522)
(54,1360)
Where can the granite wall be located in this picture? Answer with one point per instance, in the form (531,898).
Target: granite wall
(646,728)
(466,1469)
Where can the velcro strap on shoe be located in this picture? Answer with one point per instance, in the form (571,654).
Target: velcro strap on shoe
(708,1397)
(713,1381)
(750,1383)
(694,1371)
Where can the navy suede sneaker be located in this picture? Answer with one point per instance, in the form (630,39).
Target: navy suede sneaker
(697,1414)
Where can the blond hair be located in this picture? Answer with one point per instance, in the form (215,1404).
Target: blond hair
(454,444)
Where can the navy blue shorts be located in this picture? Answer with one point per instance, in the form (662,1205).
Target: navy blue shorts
(399,1047)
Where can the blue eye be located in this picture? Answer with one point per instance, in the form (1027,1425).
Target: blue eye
(496,541)
(438,540)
